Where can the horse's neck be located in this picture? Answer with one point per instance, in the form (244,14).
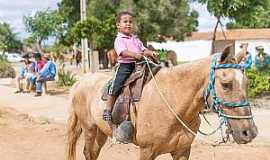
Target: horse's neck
(184,84)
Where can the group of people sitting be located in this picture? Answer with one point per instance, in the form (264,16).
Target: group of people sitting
(35,73)
(261,61)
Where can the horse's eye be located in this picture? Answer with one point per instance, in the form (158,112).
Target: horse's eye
(226,86)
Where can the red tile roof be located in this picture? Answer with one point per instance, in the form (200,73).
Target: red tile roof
(234,34)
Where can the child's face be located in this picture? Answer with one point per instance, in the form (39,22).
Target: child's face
(125,25)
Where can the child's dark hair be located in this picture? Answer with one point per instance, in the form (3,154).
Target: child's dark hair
(120,14)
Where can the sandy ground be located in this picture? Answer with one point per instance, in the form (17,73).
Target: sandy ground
(23,137)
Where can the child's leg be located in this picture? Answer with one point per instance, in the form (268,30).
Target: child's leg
(107,114)
(121,75)
(110,102)
(39,87)
(19,84)
(27,86)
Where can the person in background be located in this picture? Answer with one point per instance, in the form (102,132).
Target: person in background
(24,71)
(246,61)
(47,73)
(39,64)
(78,58)
(262,59)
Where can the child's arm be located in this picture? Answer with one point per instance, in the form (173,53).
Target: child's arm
(130,54)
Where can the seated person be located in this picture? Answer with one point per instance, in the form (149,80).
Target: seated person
(262,59)
(47,73)
(39,64)
(25,71)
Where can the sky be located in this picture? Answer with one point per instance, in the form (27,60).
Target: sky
(12,12)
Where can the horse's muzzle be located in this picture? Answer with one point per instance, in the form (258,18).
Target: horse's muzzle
(244,135)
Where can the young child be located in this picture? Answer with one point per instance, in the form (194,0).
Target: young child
(24,72)
(129,48)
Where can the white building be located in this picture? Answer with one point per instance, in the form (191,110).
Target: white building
(199,44)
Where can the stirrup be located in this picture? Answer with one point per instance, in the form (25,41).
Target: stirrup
(107,115)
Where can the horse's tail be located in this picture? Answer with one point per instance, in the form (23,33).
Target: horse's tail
(74,131)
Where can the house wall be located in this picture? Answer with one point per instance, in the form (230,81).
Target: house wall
(193,50)
(187,50)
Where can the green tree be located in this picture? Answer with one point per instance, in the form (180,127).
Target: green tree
(8,39)
(43,24)
(154,20)
(255,18)
(233,9)
(70,11)
(157,18)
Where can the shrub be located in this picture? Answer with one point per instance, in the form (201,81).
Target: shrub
(65,78)
(6,70)
(259,82)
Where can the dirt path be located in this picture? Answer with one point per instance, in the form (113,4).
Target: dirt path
(22,137)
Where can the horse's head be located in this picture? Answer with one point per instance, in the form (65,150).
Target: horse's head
(227,89)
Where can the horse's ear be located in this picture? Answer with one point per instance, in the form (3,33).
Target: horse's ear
(226,55)
(241,54)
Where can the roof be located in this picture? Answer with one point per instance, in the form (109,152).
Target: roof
(233,34)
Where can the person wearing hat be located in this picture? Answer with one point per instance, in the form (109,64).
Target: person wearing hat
(262,59)
(24,71)
(39,64)
(47,73)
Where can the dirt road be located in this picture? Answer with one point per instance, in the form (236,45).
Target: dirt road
(26,138)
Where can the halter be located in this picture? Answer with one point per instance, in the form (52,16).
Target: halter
(217,101)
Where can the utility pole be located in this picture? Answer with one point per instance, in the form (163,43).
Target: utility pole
(84,42)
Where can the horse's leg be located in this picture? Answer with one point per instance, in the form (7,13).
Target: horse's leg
(181,155)
(147,154)
(90,135)
(99,142)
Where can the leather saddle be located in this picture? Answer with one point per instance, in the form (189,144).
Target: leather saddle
(131,92)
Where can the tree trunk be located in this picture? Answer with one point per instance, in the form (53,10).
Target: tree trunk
(38,46)
(213,48)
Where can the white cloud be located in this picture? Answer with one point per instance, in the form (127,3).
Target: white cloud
(12,11)
(206,21)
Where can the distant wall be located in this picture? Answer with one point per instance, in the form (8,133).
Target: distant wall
(187,50)
(193,50)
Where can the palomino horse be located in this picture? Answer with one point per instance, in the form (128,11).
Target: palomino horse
(243,52)
(112,58)
(218,80)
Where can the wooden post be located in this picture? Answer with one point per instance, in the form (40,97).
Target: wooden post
(84,43)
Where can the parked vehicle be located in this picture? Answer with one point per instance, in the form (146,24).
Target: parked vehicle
(14,57)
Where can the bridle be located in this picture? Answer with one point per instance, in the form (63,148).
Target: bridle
(218,102)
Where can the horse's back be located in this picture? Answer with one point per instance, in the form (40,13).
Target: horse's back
(86,98)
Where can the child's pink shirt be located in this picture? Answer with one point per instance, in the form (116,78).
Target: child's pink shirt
(130,43)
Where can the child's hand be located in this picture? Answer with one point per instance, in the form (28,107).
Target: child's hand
(150,53)
(138,56)
(155,54)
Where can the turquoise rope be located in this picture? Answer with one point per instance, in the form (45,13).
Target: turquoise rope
(217,102)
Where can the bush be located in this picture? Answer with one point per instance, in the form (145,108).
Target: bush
(259,82)
(6,70)
(65,78)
